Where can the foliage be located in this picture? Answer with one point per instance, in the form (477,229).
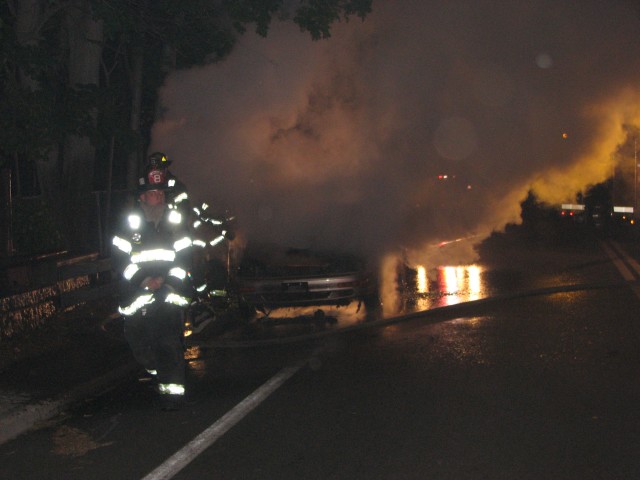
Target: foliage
(34,228)
(534,210)
(259,12)
(29,120)
(316,16)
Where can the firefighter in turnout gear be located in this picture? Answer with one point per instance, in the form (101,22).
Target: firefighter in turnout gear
(177,194)
(152,252)
(208,232)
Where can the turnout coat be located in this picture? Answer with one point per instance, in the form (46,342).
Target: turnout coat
(144,249)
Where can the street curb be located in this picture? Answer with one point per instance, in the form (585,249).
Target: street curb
(21,419)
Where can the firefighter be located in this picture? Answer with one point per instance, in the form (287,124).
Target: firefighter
(210,276)
(178,193)
(152,252)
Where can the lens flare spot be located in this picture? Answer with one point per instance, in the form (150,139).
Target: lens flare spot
(544,60)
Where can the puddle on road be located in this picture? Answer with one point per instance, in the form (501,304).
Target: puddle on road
(418,288)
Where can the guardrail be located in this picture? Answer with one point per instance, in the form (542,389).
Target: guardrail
(35,289)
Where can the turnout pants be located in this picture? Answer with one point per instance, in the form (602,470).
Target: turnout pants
(155,337)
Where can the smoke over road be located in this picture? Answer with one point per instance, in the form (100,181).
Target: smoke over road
(340,143)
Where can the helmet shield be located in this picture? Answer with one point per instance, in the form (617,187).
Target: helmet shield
(155,179)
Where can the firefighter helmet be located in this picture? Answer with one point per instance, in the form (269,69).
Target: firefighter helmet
(154,179)
(158,160)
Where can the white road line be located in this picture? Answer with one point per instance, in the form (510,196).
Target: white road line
(617,254)
(617,261)
(189,452)
(631,261)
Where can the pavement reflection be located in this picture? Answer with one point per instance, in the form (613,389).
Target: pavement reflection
(408,289)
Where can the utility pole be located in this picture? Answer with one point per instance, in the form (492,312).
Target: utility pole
(635,177)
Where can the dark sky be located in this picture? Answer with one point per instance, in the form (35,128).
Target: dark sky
(340,143)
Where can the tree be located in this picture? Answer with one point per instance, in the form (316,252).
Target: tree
(30,115)
(85,42)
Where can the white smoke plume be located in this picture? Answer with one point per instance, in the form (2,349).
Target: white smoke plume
(340,143)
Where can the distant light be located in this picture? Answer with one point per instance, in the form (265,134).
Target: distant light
(572,206)
(619,209)
(565,135)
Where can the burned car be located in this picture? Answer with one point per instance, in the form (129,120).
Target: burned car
(269,276)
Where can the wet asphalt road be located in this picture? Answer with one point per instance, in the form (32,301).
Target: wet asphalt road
(533,386)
